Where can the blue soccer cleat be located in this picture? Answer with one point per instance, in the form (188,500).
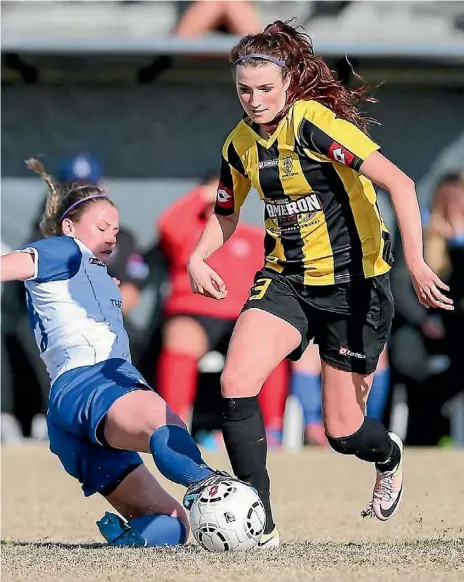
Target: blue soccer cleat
(117,532)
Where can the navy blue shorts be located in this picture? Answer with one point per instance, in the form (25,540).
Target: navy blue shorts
(79,400)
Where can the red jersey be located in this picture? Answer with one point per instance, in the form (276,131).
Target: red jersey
(237,261)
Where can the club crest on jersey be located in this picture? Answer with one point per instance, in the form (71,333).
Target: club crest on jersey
(95,261)
(305,204)
(287,166)
(225,197)
(340,154)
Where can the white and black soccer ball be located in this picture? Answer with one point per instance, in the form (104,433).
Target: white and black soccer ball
(228,517)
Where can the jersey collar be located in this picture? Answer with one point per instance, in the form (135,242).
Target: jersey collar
(267,143)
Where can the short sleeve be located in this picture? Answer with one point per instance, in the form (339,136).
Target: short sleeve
(336,139)
(234,184)
(57,258)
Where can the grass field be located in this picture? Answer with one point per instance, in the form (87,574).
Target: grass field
(49,532)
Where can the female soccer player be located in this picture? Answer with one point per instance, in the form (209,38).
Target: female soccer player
(101,411)
(303,146)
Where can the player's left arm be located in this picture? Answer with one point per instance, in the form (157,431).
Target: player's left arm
(17,266)
(404,199)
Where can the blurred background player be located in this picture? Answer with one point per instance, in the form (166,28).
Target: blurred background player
(199,17)
(195,325)
(444,251)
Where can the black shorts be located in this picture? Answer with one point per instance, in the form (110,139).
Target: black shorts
(350,322)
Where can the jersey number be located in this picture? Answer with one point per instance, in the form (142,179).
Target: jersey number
(259,288)
(36,322)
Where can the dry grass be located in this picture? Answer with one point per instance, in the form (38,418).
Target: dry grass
(49,533)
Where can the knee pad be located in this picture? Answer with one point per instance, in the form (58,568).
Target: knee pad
(370,442)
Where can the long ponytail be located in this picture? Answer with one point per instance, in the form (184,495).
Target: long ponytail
(48,223)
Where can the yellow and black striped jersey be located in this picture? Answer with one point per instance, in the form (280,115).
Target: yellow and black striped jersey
(323,225)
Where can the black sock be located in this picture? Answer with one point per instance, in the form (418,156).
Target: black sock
(371,443)
(246,444)
(392,461)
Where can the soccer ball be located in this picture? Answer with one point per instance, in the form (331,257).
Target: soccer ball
(227,517)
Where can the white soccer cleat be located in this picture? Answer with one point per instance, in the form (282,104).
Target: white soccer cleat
(388,489)
(270,540)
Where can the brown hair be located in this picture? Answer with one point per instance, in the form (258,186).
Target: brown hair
(59,200)
(311,77)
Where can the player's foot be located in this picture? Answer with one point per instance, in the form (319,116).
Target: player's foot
(270,540)
(388,489)
(117,532)
(195,489)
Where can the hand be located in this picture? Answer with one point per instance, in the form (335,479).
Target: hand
(117,281)
(204,280)
(427,286)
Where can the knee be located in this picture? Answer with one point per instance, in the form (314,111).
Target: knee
(349,444)
(368,443)
(344,445)
(234,384)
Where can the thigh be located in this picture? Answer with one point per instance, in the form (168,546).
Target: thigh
(353,341)
(81,398)
(133,418)
(274,294)
(97,468)
(259,343)
(139,493)
(310,361)
(271,326)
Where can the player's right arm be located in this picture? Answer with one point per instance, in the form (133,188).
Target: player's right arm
(233,189)
(17,266)
(55,258)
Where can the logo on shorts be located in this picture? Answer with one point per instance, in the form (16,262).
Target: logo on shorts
(344,351)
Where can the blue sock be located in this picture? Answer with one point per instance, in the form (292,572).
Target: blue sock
(177,456)
(160,530)
(379,393)
(307,388)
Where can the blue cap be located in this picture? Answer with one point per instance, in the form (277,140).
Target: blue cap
(81,168)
